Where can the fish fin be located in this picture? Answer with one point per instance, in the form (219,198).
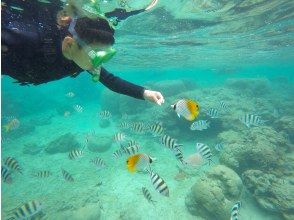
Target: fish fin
(179,115)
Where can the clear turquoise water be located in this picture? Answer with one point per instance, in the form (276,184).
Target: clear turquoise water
(247,41)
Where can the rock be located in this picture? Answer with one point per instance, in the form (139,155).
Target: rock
(272,193)
(213,195)
(99,143)
(257,147)
(62,144)
(32,148)
(257,86)
(89,212)
(104,123)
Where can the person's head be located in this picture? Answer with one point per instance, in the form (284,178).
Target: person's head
(95,33)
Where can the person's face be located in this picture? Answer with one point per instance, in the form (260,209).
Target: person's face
(75,52)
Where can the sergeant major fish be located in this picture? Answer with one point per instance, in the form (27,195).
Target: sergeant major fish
(200,125)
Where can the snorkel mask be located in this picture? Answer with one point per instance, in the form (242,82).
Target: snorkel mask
(97,56)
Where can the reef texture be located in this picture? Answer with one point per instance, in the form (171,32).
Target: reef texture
(213,195)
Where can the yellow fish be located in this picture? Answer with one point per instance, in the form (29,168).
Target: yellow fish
(11,125)
(187,108)
(138,162)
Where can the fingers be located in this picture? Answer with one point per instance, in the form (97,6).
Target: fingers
(159,98)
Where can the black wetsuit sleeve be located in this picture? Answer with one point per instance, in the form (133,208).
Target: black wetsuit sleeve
(121,86)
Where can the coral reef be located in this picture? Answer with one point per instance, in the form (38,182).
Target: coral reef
(62,144)
(258,147)
(99,143)
(256,86)
(272,193)
(213,195)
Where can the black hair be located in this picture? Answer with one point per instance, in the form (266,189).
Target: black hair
(96,30)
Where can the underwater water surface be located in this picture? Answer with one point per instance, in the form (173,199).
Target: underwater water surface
(71,137)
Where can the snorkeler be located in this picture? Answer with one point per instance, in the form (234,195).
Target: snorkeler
(36,49)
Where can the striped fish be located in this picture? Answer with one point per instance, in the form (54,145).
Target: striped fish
(251,119)
(43,174)
(105,114)
(75,154)
(26,211)
(12,164)
(179,155)
(131,143)
(200,125)
(158,183)
(131,150)
(213,113)
(138,127)
(123,125)
(147,195)
(169,142)
(98,162)
(78,108)
(219,146)
(67,176)
(156,129)
(204,151)
(235,210)
(223,105)
(118,137)
(6,175)
(118,153)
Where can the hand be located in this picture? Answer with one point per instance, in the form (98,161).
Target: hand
(153,96)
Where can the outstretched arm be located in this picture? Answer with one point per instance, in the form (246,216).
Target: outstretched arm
(121,86)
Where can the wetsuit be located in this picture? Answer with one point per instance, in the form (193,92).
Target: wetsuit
(31,47)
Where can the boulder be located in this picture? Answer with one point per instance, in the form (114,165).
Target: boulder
(214,194)
(99,142)
(62,144)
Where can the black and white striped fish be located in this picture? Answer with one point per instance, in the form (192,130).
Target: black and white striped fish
(118,137)
(131,143)
(235,210)
(26,211)
(219,146)
(179,155)
(169,142)
(158,183)
(200,125)
(156,129)
(6,175)
(98,162)
(75,154)
(123,125)
(118,153)
(204,151)
(12,164)
(147,195)
(78,108)
(251,119)
(223,105)
(67,176)
(105,114)
(138,127)
(131,150)
(42,174)
(213,113)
